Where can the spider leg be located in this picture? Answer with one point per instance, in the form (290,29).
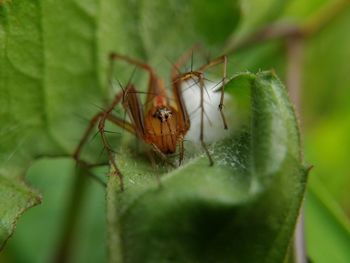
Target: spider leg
(155,86)
(201,136)
(107,146)
(178,79)
(161,155)
(114,56)
(96,118)
(93,121)
(175,71)
(181,149)
(100,118)
(181,105)
(219,60)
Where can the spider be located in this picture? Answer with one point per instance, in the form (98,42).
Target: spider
(159,123)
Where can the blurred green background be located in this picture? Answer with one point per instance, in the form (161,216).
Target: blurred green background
(321,60)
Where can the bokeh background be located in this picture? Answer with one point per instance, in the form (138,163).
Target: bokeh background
(307,43)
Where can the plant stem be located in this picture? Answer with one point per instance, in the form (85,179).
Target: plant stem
(320,19)
(63,253)
(295,55)
(300,255)
(113,229)
(324,16)
(294,58)
(267,33)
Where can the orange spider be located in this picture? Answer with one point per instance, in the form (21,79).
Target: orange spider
(159,124)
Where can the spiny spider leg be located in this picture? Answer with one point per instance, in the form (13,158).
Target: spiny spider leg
(219,60)
(101,117)
(177,80)
(153,86)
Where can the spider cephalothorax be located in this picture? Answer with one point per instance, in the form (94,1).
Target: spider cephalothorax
(162,128)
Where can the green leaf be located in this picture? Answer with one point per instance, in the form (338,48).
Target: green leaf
(58,185)
(15,198)
(53,68)
(257,14)
(331,90)
(327,227)
(326,105)
(168,28)
(243,209)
